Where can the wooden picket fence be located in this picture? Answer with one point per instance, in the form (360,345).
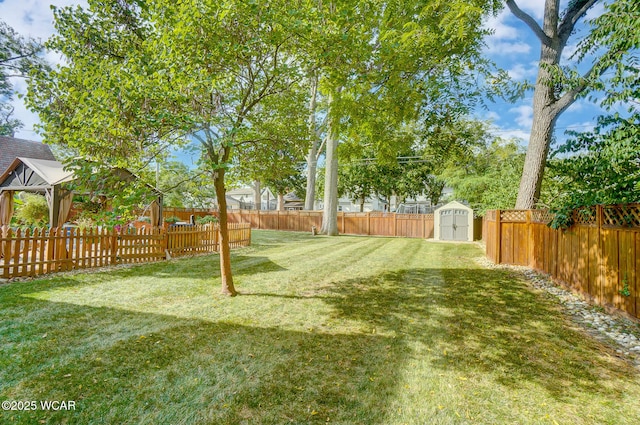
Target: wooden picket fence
(41,251)
(350,223)
(598,256)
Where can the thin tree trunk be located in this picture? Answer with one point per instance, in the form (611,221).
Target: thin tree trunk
(312,160)
(280,202)
(257,197)
(225,251)
(362,204)
(330,212)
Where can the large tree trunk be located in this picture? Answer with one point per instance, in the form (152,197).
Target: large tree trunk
(544,119)
(257,196)
(548,101)
(225,251)
(544,115)
(312,155)
(330,211)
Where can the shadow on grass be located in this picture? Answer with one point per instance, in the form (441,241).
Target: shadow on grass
(481,321)
(128,367)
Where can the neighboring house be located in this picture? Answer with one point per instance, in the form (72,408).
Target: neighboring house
(292,202)
(410,206)
(12,148)
(243,198)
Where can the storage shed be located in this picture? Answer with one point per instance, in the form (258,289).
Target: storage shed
(453,222)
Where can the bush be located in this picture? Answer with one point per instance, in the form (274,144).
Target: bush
(172,220)
(34,210)
(207,219)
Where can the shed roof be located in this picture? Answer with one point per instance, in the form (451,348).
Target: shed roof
(453,205)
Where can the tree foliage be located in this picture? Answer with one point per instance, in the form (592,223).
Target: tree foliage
(489,177)
(32,210)
(18,55)
(404,60)
(597,167)
(144,75)
(610,52)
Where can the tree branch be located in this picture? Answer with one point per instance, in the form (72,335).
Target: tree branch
(574,12)
(527,19)
(570,96)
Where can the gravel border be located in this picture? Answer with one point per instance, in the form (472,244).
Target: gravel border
(620,333)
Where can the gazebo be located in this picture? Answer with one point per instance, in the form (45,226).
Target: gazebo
(50,179)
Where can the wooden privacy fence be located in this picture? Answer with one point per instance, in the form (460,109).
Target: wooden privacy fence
(184,214)
(350,223)
(598,256)
(40,251)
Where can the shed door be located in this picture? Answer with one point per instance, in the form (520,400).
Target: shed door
(454,225)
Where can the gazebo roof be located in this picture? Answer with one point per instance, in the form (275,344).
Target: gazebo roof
(24,173)
(27,172)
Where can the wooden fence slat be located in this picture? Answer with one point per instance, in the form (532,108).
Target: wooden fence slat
(596,257)
(41,251)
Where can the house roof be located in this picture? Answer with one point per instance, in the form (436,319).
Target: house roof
(12,148)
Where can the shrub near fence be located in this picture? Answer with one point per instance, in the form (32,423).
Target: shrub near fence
(350,223)
(597,256)
(41,251)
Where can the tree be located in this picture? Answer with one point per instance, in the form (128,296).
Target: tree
(557,88)
(601,166)
(18,55)
(279,168)
(489,177)
(141,75)
(181,186)
(597,167)
(400,58)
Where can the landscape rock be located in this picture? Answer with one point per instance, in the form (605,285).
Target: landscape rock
(619,332)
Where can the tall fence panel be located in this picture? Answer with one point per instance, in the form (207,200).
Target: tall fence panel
(349,223)
(597,256)
(39,251)
(184,214)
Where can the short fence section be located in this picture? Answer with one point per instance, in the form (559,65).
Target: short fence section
(40,251)
(353,223)
(597,256)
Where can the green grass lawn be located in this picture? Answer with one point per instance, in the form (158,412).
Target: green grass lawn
(350,330)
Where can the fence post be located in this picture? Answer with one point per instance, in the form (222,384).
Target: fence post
(530,247)
(600,257)
(114,245)
(395,224)
(498,237)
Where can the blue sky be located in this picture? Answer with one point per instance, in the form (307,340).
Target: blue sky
(513,47)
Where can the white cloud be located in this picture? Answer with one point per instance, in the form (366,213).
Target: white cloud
(507,48)
(492,116)
(520,72)
(578,126)
(524,115)
(514,133)
(501,30)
